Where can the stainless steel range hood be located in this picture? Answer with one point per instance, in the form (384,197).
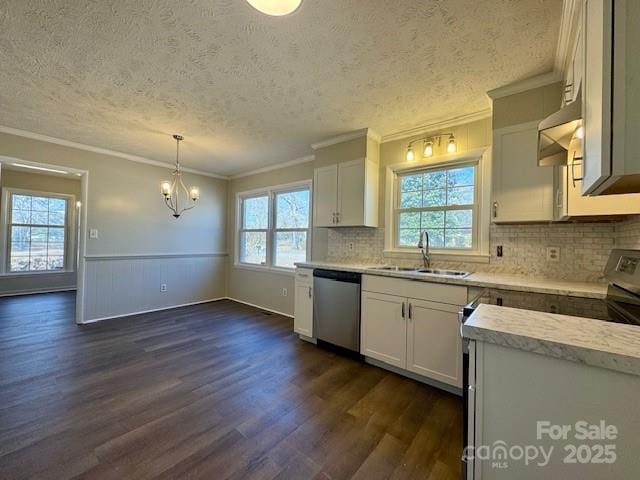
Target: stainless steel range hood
(555,133)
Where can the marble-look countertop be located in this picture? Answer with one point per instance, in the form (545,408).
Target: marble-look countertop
(491,280)
(593,342)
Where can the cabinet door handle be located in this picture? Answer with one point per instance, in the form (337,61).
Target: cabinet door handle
(576,161)
(402,309)
(495,209)
(410,311)
(309,292)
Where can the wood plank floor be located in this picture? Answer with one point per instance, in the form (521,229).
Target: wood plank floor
(214,391)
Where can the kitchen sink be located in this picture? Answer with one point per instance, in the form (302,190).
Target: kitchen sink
(444,273)
(395,269)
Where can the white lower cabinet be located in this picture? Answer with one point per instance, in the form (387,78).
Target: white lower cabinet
(434,345)
(383,330)
(303,305)
(418,335)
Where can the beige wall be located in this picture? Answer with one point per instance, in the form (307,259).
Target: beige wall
(527,106)
(262,287)
(16,284)
(126,207)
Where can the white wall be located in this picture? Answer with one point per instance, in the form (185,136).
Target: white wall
(126,207)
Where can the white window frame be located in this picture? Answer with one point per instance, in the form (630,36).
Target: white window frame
(481,221)
(271,230)
(69,231)
(473,207)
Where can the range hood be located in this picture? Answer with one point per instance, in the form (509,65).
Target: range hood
(555,133)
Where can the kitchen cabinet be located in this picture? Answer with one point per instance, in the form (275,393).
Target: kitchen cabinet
(434,345)
(346,194)
(303,303)
(420,335)
(383,330)
(522,191)
(572,204)
(511,390)
(611,104)
(575,65)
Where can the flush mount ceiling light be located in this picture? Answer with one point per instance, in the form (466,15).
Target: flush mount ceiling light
(174,191)
(429,141)
(276,8)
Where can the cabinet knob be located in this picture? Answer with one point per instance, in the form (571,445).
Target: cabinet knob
(309,292)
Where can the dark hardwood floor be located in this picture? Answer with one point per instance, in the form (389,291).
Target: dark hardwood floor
(214,391)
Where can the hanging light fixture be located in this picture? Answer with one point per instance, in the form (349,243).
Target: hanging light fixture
(175,191)
(276,8)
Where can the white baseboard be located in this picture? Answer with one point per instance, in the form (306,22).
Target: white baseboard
(94,320)
(35,291)
(258,306)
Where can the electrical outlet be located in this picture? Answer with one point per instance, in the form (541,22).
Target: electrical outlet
(284,292)
(351,246)
(93,233)
(163,287)
(499,251)
(553,254)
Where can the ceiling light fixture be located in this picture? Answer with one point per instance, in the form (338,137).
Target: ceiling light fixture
(173,190)
(428,148)
(275,8)
(42,169)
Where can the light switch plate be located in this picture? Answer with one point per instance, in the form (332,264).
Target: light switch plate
(93,233)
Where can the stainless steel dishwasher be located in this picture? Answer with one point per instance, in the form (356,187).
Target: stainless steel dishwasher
(336,308)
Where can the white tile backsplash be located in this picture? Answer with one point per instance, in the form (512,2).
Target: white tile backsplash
(584,248)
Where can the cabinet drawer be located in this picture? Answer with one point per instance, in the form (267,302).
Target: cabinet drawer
(304,276)
(433,292)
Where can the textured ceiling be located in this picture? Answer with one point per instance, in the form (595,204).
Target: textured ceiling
(249,90)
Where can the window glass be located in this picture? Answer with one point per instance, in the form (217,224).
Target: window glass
(37,233)
(292,209)
(255,214)
(253,247)
(440,201)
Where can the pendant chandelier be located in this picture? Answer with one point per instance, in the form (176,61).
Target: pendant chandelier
(177,196)
(276,8)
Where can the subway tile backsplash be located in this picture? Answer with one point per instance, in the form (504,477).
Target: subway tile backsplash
(584,248)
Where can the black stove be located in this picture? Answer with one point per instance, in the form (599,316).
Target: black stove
(609,309)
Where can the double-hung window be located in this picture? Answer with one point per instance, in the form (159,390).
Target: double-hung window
(274,226)
(37,232)
(442,201)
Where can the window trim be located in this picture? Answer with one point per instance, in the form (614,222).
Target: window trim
(271,230)
(474,206)
(479,254)
(69,228)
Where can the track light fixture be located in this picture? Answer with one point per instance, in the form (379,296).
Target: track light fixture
(428,143)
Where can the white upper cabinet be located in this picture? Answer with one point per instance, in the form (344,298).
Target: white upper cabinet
(325,195)
(346,194)
(611,103)
(522,191)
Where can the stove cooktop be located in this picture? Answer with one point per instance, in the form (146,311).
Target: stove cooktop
(600,309)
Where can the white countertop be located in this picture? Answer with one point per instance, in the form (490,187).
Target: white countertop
(593,342)
(490,280)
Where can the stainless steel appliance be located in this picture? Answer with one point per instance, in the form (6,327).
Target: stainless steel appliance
(336,308)
(622,305)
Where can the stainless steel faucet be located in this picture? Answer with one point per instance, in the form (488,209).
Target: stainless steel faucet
(423,245)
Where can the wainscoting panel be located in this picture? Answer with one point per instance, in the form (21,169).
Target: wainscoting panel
(124,285)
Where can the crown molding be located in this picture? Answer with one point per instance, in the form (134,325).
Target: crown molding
(430,127)
(368,132)
(270,168)
(524,85)
(568,24)
(102,151)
